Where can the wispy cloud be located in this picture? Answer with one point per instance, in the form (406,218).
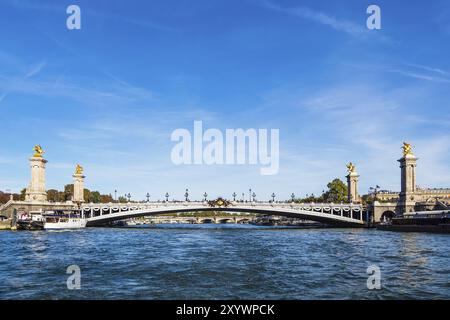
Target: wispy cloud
(422,72)
(419,76)
(430,69)
(60,7)
(93,92)
(354,29)
(410,70)
(12,83)
(35,70)
(366,117)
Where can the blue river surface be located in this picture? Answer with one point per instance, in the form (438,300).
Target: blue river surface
(223,262)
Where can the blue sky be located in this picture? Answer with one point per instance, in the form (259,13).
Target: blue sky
(109,95)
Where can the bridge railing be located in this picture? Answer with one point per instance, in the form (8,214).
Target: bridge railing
(343,210)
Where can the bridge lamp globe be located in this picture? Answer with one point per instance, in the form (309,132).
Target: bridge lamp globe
(254,196)
(148,197)
(186,195)
(293,197)
(234,196)
(167,196)
(205,195)
(273,197)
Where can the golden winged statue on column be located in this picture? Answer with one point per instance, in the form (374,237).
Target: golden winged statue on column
(38,151)
(79,169)
(407,149)
(351,167)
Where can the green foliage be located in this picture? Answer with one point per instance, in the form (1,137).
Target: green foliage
(4,197)
(22,194)
(95,197)
(337,191)
(68,192)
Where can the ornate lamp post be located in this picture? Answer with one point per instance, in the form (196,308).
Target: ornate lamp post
(167,197)
(254,196)
(250,194)
(374,190)
(273,196)
(115,195)
(243,197)
(293,197)
(148,197)
(129,197)
(234,196)
(186,195)
(205,196)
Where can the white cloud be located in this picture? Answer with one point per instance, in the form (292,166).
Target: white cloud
(357,30)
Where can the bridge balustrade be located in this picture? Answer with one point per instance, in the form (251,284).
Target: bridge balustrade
(351,211)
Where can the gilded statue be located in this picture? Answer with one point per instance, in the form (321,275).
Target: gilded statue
(79,169)
(38,151)
(351,167)
(407,149)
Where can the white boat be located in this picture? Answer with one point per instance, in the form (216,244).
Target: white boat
(131,223)
(61,223)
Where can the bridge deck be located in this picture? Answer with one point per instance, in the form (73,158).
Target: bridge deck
(336,214)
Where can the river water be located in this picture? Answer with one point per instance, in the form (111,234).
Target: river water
(223,262)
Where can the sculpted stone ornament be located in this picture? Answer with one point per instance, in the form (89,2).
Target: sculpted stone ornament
(351,168)
(79,169)
(38,151)
(407,149)
(219,202)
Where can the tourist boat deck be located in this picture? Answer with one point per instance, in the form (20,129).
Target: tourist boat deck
(64,220)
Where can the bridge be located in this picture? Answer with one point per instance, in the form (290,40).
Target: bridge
(342,215)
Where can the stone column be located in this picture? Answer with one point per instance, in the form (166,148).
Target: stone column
(352,184)
(408,166)
(36,190)
(78,185)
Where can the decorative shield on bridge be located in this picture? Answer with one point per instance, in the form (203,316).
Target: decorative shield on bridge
(219,202)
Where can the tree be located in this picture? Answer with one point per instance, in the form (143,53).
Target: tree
(95,197)
(87,195)
(53,195)
(68,192)
(23,192)
(337,192)
(3,197)
(106,198)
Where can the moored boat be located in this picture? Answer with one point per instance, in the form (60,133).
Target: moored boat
(425,221)
(63,221)
(32,221)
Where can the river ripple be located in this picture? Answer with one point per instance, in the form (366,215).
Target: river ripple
(223,262)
